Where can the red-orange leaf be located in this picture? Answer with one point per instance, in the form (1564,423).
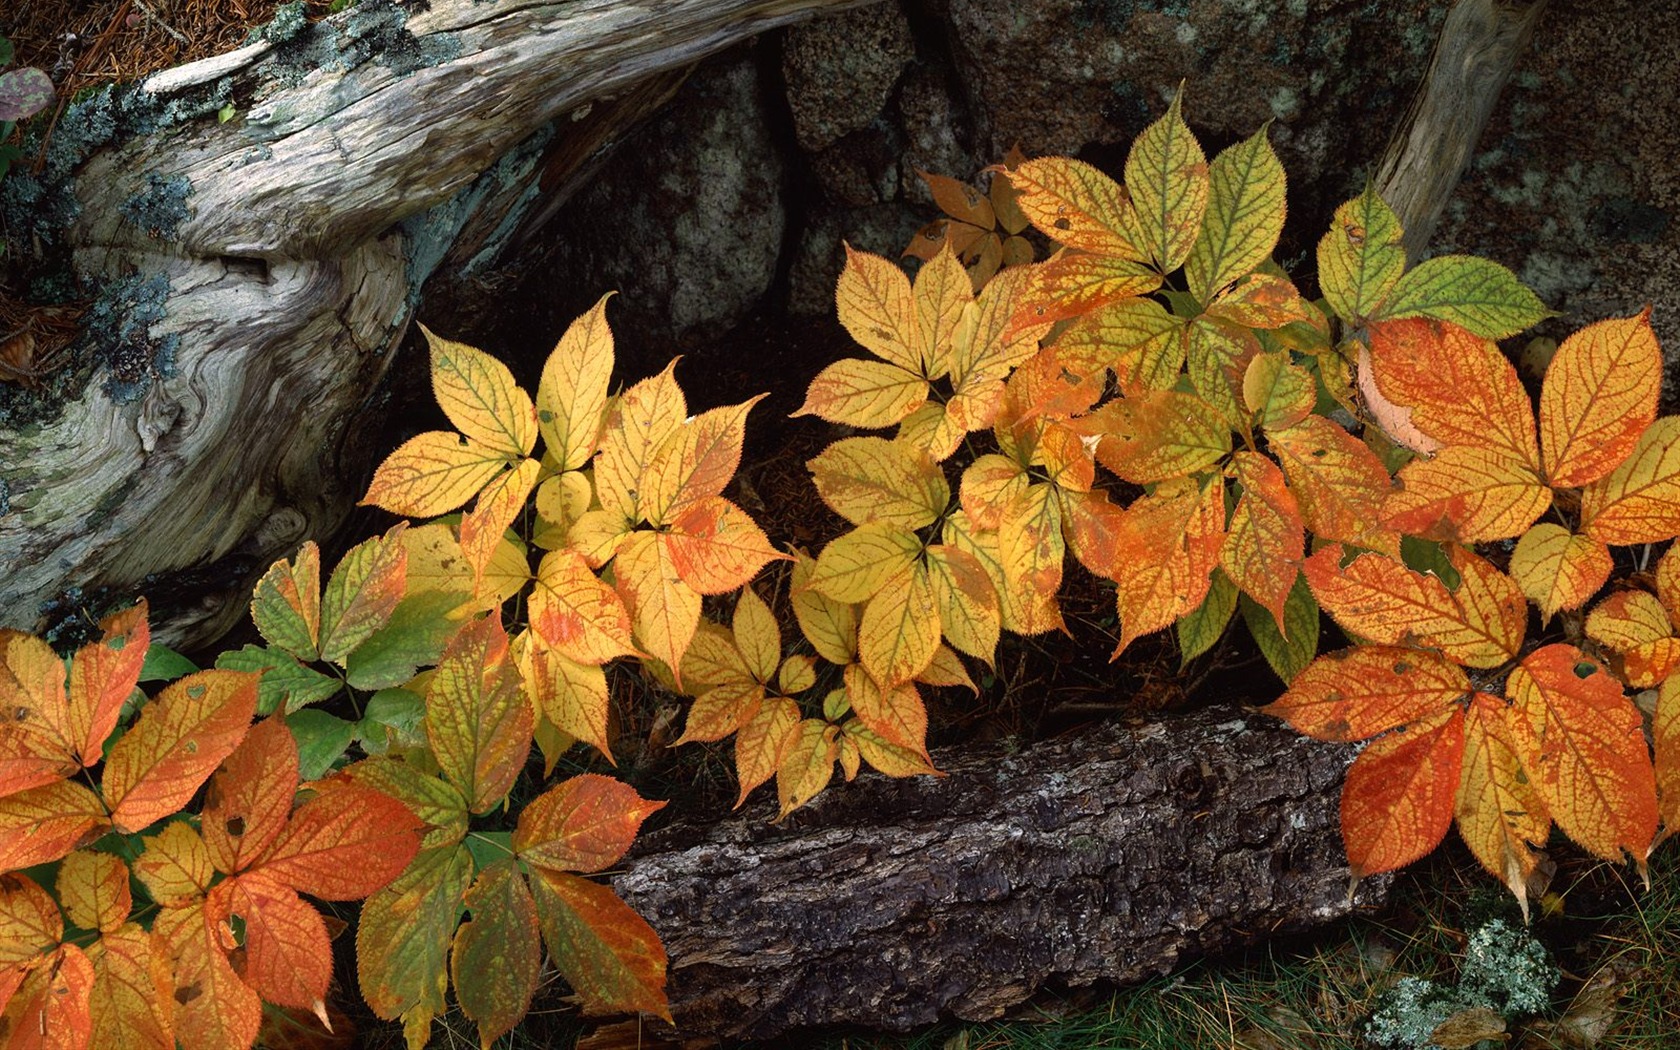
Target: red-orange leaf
(1397,802)
(1339,482)
(496,955)
(1262,549)
(582,824)
(1354,694)
(288,956)
(93,888)
(178,741)
(250,797)
(477,719)
(46,822)
(1160,582)
(345,843)
(215,1010)
(102,676)
(1460,388)
(1599,395)
(609,955)
(1502,815)
(1163,434)
(716,547)
(1581,740)
(49,1010)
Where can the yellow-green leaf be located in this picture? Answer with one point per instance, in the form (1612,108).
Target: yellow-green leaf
(609,955)
(496,954)
(859,393)
(853,566)
(865,479)
(477,720)
(830,626)
(899,631)
(363,590)
(1167,174)
(1361,259)
(1137,339)
(966,600)
(572,393)
(403,936)
(1244,216)
(286,605)
(478,394)
(1478,294)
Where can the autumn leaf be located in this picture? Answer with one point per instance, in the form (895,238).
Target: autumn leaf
(966,601)
(572,393)
(1635,626)
(1398,798)
(499,505)
(287,953)
(1360,258)
(868,394)
(1358,693)
(1665,734)
(1638,501)
(403,937)
(1167,175)
(1218,355)
(830,626)
(572,696)
(30,925)
(44,823)
(93,888)
(175,865)
(583,824)
(102,678)
(496,955)
(694,462)
(716,547)
(876,306)
(1161,435)
(808,765)
(1075,204)
(477,720)
(637,423)
(432,473)
(896,712)
(1599,396)
(214,1008)
(175,744)
(1558,569)
(50,1008)
(1338,482)
(865,479)
(1263,545)
(132,1001)
(762,741)
(1460,388)
(1476,294)
(757,636)
(344,843)
(899,631)
(1244,216)
(1280,394)
(1136,339)
(857,564)
(664,609)
(1501,813)
(1466,495)
(609,955)
(250,797)
(1164,581)
(577,615)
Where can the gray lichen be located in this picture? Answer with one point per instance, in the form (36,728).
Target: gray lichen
(161,207)
(1504,970)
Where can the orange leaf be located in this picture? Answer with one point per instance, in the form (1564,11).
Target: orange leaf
(1076,205)
(576,614)
(1559,569)
(50,1009)
(584,824)
(1264,300)
(762,741)
(664,609)
(1161,582)
(899,631)
(637,422)
(1091,524)
(1074,284)
(496,955)
(1665,733)
(1467,495)
(1599,396)
(30,926)
(1339,482)
(715,547)
(102,676)
(46,822)
(250,797)
(431,474)
(288,956)
(214,1008)
(345,843)
(859,393)
(866,479)
(477,720)
(177,742)
(1031,552)
(1354,694)
(808,765)
(498,507)
(1397,802)
(1639,501)
(1501,814)
(875,304)
(896,713)
(1163,434)
(1668,582)
(694,463)
(1581,740)
(572,394)
(1635,626)
(132,1005)
(36,746)
(1262,549)
(175,865)
(1378,598)
(94,890)
(1460,388)
(609,955)
(966,601)
(286,605)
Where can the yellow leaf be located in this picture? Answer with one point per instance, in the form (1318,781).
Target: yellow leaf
(1338,481)
(498,507)
(1167,174)
(561,501)
(1075,204)
(576,614)
(507,574)
(946,670)
(572,696)
(175,865)
(1491,615)
(830,626)
(93,888)
(941,291)
(762,742)
(1467,495)
(597,534)
(1559,569)
(852,567)
(695,462)
(757,636)
(897,713)
(938,430)
(1031,550)
(1639,501)
(133,999)
(715,547)
(1244,216)
(431,474)
(988,342)
(808,764)
(989,485)
(478,394)
(899,631)
(1599,396)
(875,305)
(720,711)
(797,674)
(1360,259)
(1162,581)
(572,394)
(866,479)
(637,423)
(1136,339)
(1634,625)
(664,609)
(1501,814)
(1262,549)
(966,600)
(868,394)
(883,755)
(1018,607)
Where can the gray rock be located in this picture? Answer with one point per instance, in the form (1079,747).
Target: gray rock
(841,70)
(882,229)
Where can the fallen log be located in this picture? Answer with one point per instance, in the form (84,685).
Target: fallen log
(1115,854)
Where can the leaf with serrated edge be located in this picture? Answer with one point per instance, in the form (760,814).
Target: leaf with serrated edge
(1267,301)
(1073,285)
(938,430)
(1338,482)
(1137,339)
(1245,215)
(496,954)
(941,291)
(1360,258)
(1668,582)
(1599,396)
(1379,598)
(875,305)
(177,742)
(102,676)
(664,609)
(572,696)
(1075,204)
(498,507)
(1280,394)
(132,1004)
(50,1009)
(561,501)
(609,955)
(288,956)
(855,565)
(1635,626)
(946,670)
(403,936)
(175,865)
(1581,740)
(479,395)
(93,888)
(1355,694)
(868,394)
(757,636)
(1199,629)
(694,463)
(1639,501)
(438,804)
(363,591)
(572,393)
(1031,551)
(477,720)
(584,824)
(44,823)
(575,613)
(762,741)
(1466,495)
(1491,615)
(637,422)
(716,547)
(866,479)
(1559,569)
(989,485)
(796,674)
(1397,801)
(1263,545)
(885,756)
(1163,581)
(1460,388)
(431,474)
(1167,174)
(1478,294)
(344,843)
(1090,524)
(830,626)
(721,711)
(1501,814)
(967,602)
(250,797)
(899,631)
(896,713)
(1217,355)
(1290,649)
(808,765)
(214,1008)
(37,746)
(30,926)
(1164,434)
(1665,735)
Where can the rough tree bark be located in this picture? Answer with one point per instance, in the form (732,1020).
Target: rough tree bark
(283,251)
(1113,854)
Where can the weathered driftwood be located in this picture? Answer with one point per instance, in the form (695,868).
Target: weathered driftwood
(1479,45)
(311,220)
(1113,854)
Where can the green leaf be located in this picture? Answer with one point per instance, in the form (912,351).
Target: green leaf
(1244,216)
(321,739)
(608,954)
(1361,259)
(1287,655)
(1421,555)
(1199,629)
(403,936)
(489,848)
(435,802)
(1477,294)
(164,664)
(286,684)
(497,955)
(414,637)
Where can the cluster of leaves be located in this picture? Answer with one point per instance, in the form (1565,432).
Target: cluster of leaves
(984,230)
(24,92)
(1158,399)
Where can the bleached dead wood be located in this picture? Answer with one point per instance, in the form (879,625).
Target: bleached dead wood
(365,146)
